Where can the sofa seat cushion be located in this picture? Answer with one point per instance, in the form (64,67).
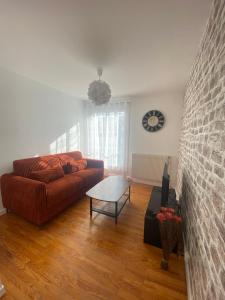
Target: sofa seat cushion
(63,189)
(91,176)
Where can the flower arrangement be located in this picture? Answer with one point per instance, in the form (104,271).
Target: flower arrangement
(171,233)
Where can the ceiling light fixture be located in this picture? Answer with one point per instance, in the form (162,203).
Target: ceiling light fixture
(99,91)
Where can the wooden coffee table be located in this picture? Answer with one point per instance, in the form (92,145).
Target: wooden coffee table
(109,196)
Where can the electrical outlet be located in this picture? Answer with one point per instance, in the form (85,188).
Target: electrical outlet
(2,290)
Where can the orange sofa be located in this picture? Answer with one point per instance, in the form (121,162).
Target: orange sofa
(40,200)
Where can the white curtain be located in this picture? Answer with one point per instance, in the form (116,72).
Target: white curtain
(107,134)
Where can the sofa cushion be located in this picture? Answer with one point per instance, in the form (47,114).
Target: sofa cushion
(51,161)
(68,163)
(90,176)
(47,175)
(77,155)
(81,164)
(63,189)
(24,167)
(76,165)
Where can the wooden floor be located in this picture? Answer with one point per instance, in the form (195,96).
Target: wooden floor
(75,258)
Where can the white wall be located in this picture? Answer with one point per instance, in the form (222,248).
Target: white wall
(164,141)
(35,119)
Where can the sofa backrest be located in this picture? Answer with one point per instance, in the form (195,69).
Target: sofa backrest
(24,167)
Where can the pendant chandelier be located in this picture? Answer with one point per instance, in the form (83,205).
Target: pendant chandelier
(99,91)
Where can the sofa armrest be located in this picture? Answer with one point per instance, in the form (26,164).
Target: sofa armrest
(95,163)
(24,196)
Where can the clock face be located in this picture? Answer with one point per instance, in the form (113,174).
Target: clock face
(153,120)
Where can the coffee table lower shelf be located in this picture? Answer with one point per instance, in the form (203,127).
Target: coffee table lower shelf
(112,208)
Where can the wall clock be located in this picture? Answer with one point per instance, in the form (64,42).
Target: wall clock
(153,120)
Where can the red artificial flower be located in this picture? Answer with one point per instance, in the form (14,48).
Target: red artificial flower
(169,216)
(163,209)
(171,210)
(178,219)
(161,217)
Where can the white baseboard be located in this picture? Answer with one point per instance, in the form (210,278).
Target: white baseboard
(2,211)
(148,182)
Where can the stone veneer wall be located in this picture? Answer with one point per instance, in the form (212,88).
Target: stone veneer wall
(201,170)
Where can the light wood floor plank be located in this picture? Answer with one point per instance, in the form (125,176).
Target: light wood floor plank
(73,257)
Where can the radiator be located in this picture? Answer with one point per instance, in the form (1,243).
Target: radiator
(148,168)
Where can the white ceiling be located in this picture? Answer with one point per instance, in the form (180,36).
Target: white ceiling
(144,46)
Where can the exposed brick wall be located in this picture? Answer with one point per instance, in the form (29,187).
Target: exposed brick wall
(201,170)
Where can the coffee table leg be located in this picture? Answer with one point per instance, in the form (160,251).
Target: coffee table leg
(116,210)
(90,206)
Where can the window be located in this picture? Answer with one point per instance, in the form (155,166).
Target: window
(107,131)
